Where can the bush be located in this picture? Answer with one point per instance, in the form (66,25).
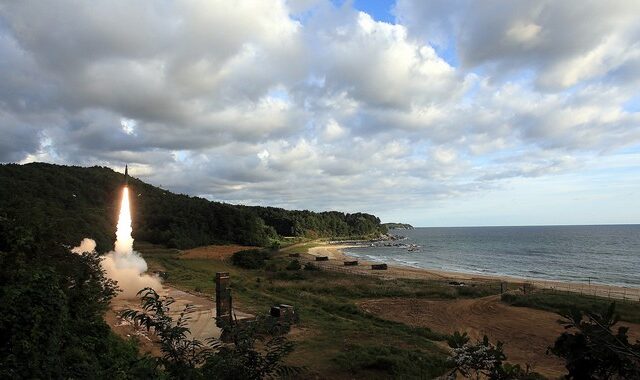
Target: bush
(310,266)
(592,349)
(250,259)
(272,267)
(294,265)
(483,360)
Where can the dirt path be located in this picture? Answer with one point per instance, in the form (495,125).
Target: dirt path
(525,332)
(202,321)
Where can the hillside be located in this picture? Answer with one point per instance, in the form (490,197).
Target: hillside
(398,226)
(77,202)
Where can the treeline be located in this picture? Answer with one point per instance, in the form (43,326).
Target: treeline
(83,202)
(319,224)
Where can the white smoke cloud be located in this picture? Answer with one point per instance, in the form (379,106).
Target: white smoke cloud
(123,265)
(86,245)
(127,269)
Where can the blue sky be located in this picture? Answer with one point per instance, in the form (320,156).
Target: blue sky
(436,113)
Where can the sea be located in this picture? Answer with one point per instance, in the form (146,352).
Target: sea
(603,254)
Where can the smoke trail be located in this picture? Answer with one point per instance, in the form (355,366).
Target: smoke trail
(124,265)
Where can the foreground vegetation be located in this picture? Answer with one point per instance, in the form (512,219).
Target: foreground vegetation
(52,305)
(83,202)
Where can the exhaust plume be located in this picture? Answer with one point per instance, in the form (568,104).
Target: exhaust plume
(123,264)
(124,241)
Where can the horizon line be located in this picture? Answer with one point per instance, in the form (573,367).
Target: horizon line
(531,225)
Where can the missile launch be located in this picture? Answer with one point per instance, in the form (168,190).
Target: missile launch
(126,175)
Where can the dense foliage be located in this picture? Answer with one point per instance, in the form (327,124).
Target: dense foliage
(319,224)
(593,350)
(52,304)
(250,258)
(84,202)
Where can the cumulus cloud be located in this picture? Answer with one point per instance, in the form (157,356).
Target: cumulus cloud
(566,42)
(306,104)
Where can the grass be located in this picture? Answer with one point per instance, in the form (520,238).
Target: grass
(391,361)
(629,311)
(333,327)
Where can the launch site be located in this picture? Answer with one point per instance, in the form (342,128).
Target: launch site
(320,189)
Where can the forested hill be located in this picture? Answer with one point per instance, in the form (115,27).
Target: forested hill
(398,226)
(78,202)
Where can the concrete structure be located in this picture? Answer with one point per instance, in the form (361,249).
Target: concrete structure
(224,305)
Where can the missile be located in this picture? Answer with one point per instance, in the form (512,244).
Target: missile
(126,175)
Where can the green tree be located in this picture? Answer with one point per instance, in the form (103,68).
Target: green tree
(52,304)
(592,350)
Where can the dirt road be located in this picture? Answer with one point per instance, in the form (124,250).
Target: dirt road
(202,321)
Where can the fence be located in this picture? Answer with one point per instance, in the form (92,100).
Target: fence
(585,288)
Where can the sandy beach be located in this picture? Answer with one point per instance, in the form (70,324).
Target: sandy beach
(337,256)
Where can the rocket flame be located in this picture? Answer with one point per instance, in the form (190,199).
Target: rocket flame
(124,241)
(124,265)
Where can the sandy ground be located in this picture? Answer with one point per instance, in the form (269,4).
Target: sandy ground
(525,332)
(215,252)
(336,257)
(333,252)
(202,321)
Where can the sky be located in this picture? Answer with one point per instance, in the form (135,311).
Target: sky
(435,113)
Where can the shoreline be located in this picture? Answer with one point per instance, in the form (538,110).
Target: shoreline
(336,254)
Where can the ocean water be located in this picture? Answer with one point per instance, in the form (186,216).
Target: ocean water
(607,254)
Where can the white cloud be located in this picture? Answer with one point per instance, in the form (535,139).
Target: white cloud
(304,104)
(565,41)
(333,130)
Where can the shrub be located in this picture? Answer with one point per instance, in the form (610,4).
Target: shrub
(250,259)
(294,265)
(272,267)
(483,360)
(592,349)
(310,266)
